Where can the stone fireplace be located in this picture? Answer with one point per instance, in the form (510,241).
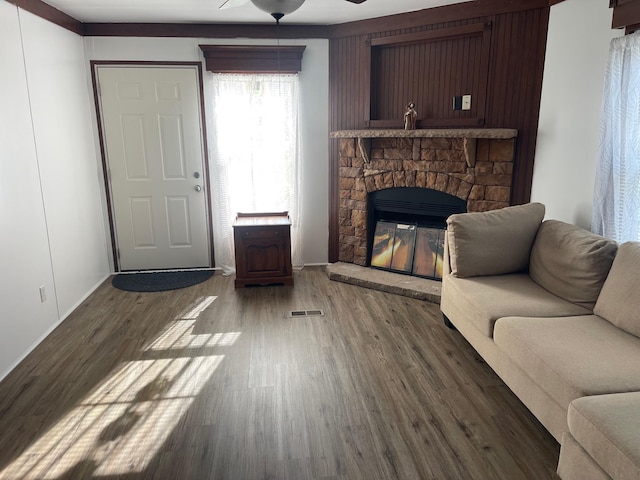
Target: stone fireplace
(475,165)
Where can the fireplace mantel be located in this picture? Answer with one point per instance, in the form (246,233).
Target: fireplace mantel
(500,133)
(470,135)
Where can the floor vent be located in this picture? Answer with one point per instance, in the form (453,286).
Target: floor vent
(306,313)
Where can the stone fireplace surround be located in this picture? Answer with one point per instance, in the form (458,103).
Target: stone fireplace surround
(475,165)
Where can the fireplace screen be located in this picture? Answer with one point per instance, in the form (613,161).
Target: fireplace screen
(429,252)
(393,246)
(408,248)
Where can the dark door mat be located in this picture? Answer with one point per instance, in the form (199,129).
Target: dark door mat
(159,281)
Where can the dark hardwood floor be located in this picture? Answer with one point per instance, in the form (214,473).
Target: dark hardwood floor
(211,382)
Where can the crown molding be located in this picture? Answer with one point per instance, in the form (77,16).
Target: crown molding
(444,14)
(204,30)
(47,12)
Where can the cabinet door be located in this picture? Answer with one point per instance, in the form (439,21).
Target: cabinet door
(265,257)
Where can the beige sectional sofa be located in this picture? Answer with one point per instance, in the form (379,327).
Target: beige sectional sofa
(555,311)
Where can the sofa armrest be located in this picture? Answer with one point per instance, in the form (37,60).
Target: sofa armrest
(494,242)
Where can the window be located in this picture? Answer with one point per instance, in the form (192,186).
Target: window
(255,142)
(616,208)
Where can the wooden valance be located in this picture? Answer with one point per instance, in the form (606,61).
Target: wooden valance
(626,14)
(253,58)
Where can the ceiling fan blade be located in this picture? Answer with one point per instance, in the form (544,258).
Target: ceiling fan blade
(232,4)
(356,1)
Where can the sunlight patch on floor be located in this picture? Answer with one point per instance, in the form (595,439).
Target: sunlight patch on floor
(178,335)
(120,425)
(200,306)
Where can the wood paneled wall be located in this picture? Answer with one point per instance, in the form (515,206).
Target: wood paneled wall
(429,69)
(510,98)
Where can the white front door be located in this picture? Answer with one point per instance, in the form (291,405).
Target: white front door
(152,131)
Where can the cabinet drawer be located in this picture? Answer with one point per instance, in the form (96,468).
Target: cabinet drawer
(262,232)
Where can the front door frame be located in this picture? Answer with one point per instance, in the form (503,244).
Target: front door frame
(107,184)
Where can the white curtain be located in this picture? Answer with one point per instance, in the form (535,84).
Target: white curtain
(616,204)
(254,142)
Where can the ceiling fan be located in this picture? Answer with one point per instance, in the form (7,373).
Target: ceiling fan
(276,8)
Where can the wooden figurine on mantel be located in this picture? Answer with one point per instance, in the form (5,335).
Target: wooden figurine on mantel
(410,116)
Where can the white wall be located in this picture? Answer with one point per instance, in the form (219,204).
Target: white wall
(50,212)
(314,84)
(566,153)
(71,171)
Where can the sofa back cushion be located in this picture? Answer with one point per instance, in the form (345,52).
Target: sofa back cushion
(619,300)
(571,262)
(492,243)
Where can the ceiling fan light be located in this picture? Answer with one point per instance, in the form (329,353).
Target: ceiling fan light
(284,7)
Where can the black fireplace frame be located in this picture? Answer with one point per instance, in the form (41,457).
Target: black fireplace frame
(423,207)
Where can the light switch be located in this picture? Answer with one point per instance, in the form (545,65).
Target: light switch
(466,102)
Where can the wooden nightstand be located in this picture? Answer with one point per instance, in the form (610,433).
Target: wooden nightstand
(263,249)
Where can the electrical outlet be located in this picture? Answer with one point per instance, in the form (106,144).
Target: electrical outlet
(466,102)
(43,294)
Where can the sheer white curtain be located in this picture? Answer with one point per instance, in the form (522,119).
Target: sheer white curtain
(616,203)
(254,142)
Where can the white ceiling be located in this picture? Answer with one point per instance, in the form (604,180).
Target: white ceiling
(322,12)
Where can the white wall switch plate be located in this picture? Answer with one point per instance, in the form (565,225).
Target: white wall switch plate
(466,102)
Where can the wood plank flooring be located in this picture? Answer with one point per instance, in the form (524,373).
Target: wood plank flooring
(211,382)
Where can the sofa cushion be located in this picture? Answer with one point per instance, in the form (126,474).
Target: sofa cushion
(608,429)
(571,262)
(572,357)
(488,298)
(576,464)
(492,243)
(619,300)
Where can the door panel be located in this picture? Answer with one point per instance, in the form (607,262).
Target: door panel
(153,142)
(178,220)
(133,141)
(171,147)
(142,222)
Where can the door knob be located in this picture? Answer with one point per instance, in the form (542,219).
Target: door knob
(196,174)
(198,188)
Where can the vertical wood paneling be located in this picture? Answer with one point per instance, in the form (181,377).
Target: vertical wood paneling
(429,72)
(516,62)
(516,85)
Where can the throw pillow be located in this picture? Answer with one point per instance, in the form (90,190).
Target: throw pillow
(571,262)
(494,242)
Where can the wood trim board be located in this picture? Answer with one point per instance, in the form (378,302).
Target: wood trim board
(253,58)
(47,12)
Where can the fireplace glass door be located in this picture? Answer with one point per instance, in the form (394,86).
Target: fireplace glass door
(409,249)
(429,252)
(393,246)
